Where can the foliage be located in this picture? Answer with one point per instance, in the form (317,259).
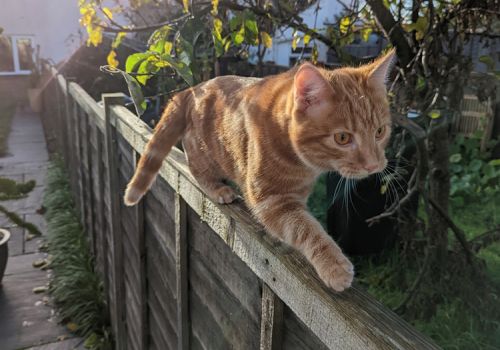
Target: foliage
(76,288)
(196,34)
(473,174)
(10,189)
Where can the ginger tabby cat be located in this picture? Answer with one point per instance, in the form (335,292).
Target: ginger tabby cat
(273,137)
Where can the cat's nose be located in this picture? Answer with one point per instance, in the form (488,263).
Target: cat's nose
(371,167)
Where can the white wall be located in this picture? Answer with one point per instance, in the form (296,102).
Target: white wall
(53,24)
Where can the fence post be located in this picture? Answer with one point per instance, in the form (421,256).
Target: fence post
(182,272)
(271,326)
(118,307)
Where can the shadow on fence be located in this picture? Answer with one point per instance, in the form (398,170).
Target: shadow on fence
(181,272)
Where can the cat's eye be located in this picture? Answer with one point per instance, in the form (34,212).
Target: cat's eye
(380,132)
(343,138)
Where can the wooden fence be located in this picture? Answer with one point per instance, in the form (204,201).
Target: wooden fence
(182,272)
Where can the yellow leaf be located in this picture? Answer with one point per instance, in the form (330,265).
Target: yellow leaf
(345,22)
(215,6)
(365,33)
(168,47)
(186,5)
(95,35)
(266,39)
(295,40)
(218,25)
(314,54)
(112,61)
(307,39)
(107,12)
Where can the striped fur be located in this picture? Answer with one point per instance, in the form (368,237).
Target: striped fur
(273,137)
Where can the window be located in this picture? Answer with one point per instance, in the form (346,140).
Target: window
(16,55)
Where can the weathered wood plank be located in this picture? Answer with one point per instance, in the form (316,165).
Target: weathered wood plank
(181,266)
(271,327)
(117,309)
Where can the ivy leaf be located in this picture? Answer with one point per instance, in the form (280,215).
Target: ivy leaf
(134,60)
(266,39)
(111,59)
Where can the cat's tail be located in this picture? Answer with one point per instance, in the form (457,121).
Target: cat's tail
(166,134)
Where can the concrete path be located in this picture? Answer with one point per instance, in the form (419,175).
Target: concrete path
(28,320)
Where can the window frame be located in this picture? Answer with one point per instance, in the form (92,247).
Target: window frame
(15,55)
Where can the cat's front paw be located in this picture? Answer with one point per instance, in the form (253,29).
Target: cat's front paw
(337,273)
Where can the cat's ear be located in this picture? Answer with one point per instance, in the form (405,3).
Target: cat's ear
(310,87)
(381,69)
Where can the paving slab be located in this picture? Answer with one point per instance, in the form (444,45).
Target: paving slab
(27,320)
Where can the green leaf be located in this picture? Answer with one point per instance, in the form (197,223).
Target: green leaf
(144,70)
(494,162)
(251,25)
(181,68)
(158,47)
(488,61)
(455,158)
(134,60)
(235,22)
(434,114)
(475,165)
(135,92)
(239,36)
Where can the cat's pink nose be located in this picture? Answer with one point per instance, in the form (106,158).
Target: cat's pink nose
(371,167)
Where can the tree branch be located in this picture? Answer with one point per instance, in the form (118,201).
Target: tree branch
(392,30)
(485,239)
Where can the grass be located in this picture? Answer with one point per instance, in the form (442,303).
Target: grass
(76,287)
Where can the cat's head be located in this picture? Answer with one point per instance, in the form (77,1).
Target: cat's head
(341,118)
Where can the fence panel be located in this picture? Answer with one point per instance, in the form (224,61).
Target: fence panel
(182,272)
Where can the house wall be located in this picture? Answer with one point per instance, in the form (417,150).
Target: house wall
(52,23)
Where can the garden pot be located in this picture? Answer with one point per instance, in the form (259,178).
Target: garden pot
(4,251)
(35,99)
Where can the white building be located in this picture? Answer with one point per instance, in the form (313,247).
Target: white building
(51,25)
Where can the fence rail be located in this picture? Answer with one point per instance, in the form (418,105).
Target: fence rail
(182,272)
